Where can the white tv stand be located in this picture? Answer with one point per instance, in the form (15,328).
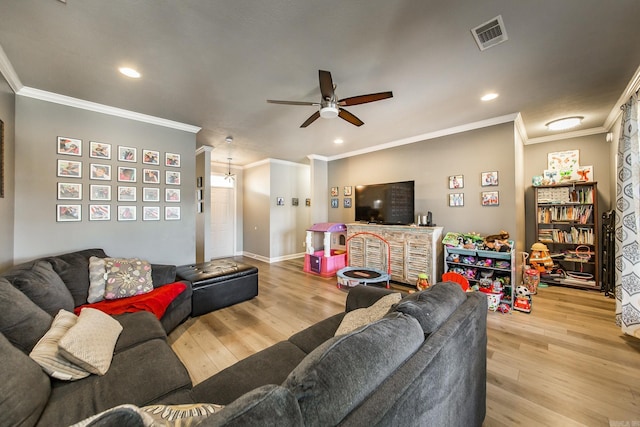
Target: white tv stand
(413,250)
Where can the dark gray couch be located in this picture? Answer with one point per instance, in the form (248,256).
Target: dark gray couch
(424,363)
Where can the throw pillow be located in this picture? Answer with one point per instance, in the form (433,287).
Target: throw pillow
(432,306)
(363,316)
(90,342)
(47,355)
(38,281)
(22,321)
(97,281)
(188,414)
(127,277)
(122,415)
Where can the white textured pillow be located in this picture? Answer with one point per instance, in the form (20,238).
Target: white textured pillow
(90,342)
(97,280)
(46,353)
(363,316)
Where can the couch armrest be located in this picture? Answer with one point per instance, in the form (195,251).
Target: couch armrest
(364,296)
(161,274)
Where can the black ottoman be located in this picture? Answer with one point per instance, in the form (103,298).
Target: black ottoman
(219,283)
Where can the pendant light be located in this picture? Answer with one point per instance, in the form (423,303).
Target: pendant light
(229,176)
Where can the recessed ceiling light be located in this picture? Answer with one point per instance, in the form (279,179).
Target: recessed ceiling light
(489,97)
(338,141)
(129,72)
(566,123)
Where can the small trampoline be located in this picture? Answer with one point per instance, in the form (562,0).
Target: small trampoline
(349,277)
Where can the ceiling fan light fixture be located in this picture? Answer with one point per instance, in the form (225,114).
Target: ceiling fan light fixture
(329,112)
(130,72)
(489,97)
(564,123)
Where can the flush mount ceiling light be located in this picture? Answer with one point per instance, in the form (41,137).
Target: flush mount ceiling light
(129,72)
(565,123)
(489,97)
(338,141)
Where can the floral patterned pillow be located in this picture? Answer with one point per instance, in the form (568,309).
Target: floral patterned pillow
(126,277)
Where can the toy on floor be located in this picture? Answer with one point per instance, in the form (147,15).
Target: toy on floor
(523,299)
(423,282)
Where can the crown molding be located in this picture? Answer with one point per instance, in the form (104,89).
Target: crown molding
(204,149)
(567,135)
(43,95)
(271,160)
(616,111)
(430,135)
(6,69)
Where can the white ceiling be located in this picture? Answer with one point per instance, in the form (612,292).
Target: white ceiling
(213,64)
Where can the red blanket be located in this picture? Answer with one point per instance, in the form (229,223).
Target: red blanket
(155,301)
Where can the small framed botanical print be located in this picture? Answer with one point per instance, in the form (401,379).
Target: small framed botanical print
(99,150)
(69,146)
(69,191)
(127,154)
(68,213)
(99,212)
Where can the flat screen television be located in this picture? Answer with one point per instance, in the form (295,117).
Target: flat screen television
(390,203)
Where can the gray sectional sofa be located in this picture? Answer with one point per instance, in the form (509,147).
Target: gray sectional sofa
(423,363)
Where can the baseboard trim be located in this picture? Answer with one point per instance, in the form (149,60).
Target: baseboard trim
(272,260)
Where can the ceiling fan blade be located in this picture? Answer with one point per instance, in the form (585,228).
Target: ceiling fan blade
(363,99)
(326,84)
(315,116)
(272,101)
(344,114)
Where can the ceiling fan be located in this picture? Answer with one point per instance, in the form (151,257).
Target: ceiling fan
(331,106)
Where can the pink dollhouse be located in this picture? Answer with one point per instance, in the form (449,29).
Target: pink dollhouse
(327,260)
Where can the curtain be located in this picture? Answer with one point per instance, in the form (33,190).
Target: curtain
(627,251)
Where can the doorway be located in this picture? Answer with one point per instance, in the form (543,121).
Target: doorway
(223,217)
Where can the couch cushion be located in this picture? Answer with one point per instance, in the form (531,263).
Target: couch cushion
(73,269)
(47,354)
(269,366)
(137,328)
(432,306)
(161,274)
(90,342)
(337,376)
(37,280)
(24,389)
(308,339)
(362,316)
(141,375)
(269,405)
(22,321)
(126,277)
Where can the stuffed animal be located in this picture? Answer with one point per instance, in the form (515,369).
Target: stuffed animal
(497,242)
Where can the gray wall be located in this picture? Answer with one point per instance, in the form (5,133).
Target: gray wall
(37,233)
(430,163)
(257,210)
(7,115)
(594,150)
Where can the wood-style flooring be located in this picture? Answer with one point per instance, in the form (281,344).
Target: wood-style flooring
(564,364)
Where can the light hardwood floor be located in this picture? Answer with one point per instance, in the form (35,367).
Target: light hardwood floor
(564,364)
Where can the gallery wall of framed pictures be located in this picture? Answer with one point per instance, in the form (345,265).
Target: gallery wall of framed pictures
(120,177)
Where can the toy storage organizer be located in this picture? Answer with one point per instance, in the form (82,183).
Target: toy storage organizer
(332,257)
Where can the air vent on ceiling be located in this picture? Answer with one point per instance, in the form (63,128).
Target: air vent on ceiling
(490,33)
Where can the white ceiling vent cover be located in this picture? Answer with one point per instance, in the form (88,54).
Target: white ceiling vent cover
(490,33)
